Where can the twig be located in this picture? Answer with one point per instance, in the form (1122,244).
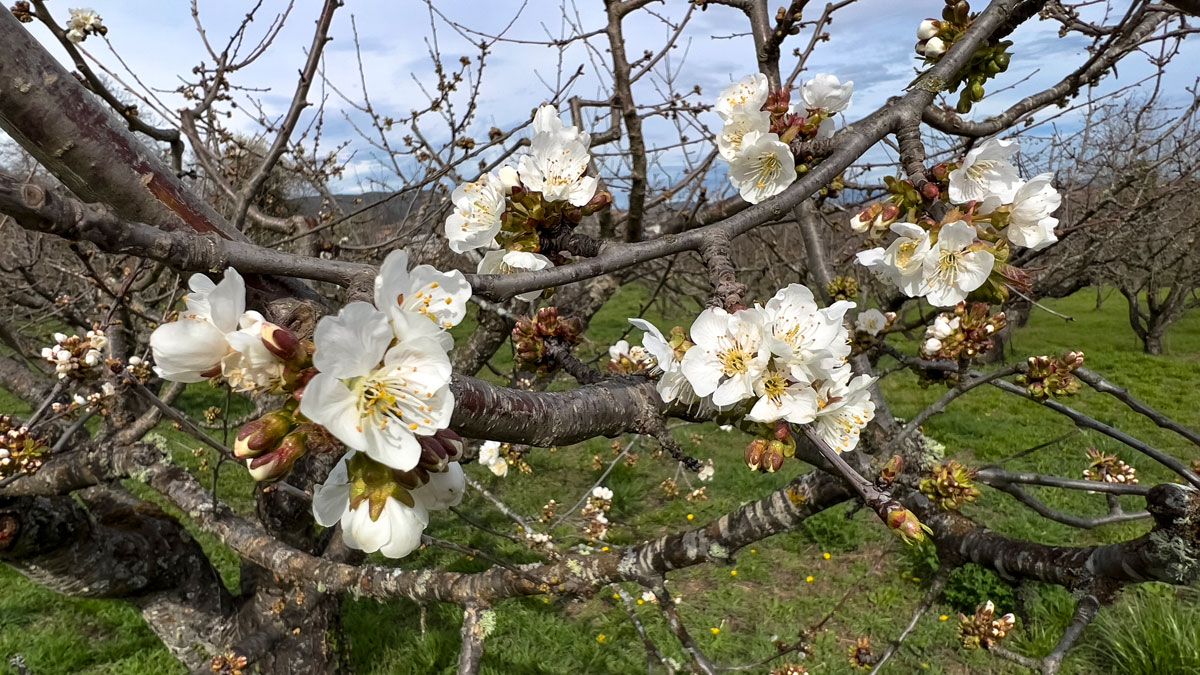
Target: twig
(935,589)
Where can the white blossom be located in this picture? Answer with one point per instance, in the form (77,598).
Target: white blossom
(952,269)
(396,532)
(546,122)
(811,341)
(601,492)
(421,302)
(1030,223)
(902,262)
(737,126)
(781,397)
(672,383)
(706,472)
(826,92)
(764,167)
(844,409)
(556,167)
(475,220)
(729,355)
(215,335)
(870,321)
(489,456)
(501,261)
(373,396)
(986,172)
(748,95)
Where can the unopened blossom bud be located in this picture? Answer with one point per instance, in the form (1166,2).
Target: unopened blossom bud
(509,178)
(928,29)
(934,47)
(905,523)
(281,342)
(754,453)
(931,346)
(783,431)
(263,434)
(433,454)
(778,102)
(601,201)
(774,456)
(454,444)
(931,192)
(277,463)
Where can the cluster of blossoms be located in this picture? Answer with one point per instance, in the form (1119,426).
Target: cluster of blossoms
(965,333)
(530,337)
(376,378)
(758,125)
(21,453)
(493,455)
(935,36)
(860,654)
(594,513)
(76,357)
(508,211)
(85,22)
(983,629)
(1105,468)
(950,485)
(1046,376)
(216,336)
(993,209)
(624,359)
(785,361)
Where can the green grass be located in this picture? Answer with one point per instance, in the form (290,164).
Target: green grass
(873,579)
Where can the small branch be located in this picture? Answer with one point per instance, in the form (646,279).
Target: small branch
(473,634)
(1097,382)
(935,589)
(666,604)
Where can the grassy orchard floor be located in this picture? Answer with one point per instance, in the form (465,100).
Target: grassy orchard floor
(770,596)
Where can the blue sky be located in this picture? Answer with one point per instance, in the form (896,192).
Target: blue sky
(871,44)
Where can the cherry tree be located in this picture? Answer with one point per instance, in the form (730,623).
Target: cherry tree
(160,243)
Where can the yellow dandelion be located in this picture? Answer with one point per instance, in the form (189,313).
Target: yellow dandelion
(733,573)
(753,551)
(714,630)
(616,596)
(602,638)
(809,579)
(641,601)
(604,549)
(826,555)
(944,617)
(691,517)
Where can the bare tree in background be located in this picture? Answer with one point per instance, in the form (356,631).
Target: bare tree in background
(124,199)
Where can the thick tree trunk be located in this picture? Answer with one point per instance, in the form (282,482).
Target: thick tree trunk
(111,545)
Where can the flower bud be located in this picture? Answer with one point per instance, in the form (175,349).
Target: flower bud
(754,453)
(601,201)
(904,523)
(934,47)
(509,178)
(433,454)
(928,29)
(281,342)
(931,191)
(783,431)
(277,463)
(773,457)
(778,102)
(263,434)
